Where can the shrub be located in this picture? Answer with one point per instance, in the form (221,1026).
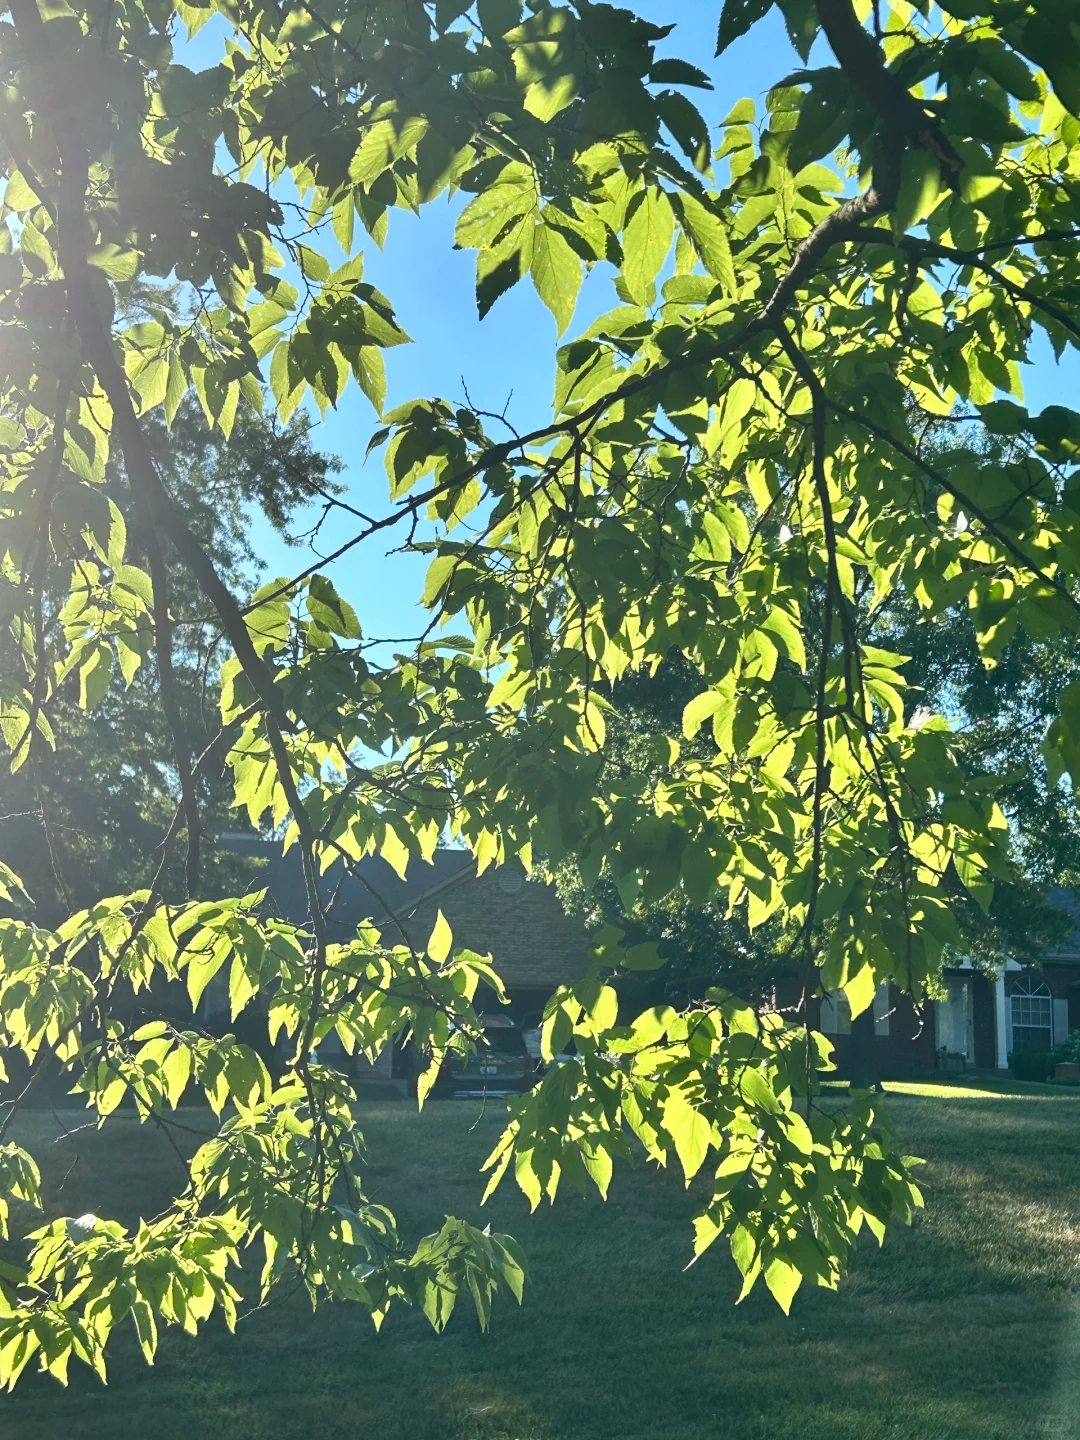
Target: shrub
(1032,1064)
(1070,1050)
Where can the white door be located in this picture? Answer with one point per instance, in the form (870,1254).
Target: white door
(955,1021)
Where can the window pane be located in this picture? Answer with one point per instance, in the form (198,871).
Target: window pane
(1031,1010)
(505,1041)
(1031,1037)
(835,1013)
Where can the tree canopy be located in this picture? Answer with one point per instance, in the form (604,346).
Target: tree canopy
(83,824)
(743,457)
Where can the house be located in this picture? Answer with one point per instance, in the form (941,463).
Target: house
(538,947)
(502,912)
(983,1018)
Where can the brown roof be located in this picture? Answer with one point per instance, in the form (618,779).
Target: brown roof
(502,913)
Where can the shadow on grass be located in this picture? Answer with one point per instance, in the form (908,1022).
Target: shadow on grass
(954,1331)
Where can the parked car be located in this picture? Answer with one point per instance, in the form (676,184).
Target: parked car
(500,1065)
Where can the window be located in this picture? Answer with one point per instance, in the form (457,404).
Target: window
(836,1012)
(1032,1011)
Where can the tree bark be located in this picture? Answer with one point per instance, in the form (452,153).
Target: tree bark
(863,1065)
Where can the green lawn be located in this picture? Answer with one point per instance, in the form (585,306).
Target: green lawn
(967,1328)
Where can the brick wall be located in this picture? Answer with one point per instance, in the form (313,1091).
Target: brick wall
(532,941)
(911,1045)
(908,1049)
(1063,978)
(984,1005)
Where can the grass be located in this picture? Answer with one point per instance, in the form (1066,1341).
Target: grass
(966,1328)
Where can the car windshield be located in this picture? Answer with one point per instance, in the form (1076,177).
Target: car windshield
(504,1040)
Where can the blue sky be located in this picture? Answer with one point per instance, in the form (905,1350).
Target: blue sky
(506,360)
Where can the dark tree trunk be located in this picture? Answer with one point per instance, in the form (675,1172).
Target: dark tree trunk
(863,1051)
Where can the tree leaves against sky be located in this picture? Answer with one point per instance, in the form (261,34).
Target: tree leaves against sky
(739,464)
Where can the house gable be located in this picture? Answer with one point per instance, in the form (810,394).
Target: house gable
(519,921)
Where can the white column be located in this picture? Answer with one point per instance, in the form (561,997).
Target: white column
(999,1021)
(1060,1019)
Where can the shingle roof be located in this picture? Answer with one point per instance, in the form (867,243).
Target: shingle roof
(534,943)
(373,892)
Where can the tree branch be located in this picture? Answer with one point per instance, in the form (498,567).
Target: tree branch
(913,245)
(149,490)
(905,120)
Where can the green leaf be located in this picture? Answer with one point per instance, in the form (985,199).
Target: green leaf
(556,273)
(202,967)
(95,672)
(117,261)
(546,97)
(440,941)
(744,1248)
(782,625)
(369,367)
(736,18)
(268,615)
(708,235)
(441,569)
(485,219)
(920,186)
(604,1012)
(175,387)
(641,957)
(757,1090)
(153,1031)
(329,610)
(690,1132)
(176,1072)
(678,72)
(688,125)
(646,242)
(699,710)
(783,1279)
(11,887)
(860,989)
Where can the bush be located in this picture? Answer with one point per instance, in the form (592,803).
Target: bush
(1032,1064)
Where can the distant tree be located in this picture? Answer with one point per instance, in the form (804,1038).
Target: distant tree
(84,821)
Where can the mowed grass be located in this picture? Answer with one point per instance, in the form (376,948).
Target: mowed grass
(965,1328)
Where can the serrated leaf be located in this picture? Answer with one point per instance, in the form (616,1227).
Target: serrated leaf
(176,1072)
(11,887)
(860,989)
(920,186)
(369,368)
(736,18)
(646,241)
(504,204)
(94,675)
(202,967)
(708,235)
(556,273)
(118,262)
(546,97)
(175,387)
(757,1090)
(329,610)
(641,957)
